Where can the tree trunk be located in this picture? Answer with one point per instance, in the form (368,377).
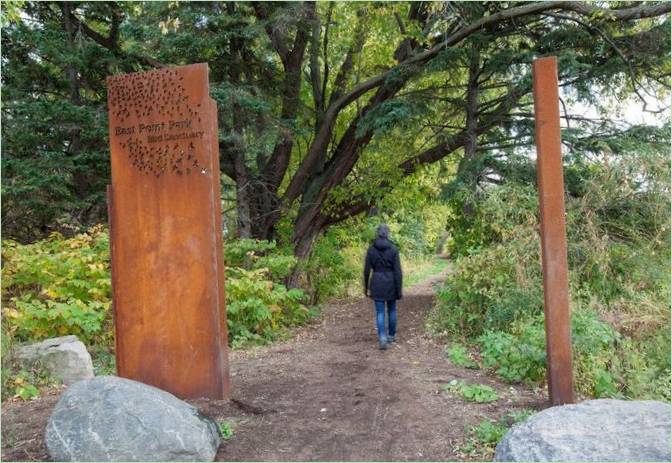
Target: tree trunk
(468,170)
(468,163)
(79,176)
(304,239)
(242,195)
(264,210)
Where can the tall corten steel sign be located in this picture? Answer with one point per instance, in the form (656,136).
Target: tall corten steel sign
(165,232)
(553,235)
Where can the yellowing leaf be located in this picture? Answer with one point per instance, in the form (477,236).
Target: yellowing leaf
(50,292)
(12,313)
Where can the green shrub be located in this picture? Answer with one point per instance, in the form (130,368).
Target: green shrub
(259,309)
(516,359)
(594,345)
(58,286)
(489,433)
(62,286)
(259,306)
(491,286)
(460,356)
(328,271)
(618,253)
(480,393)
(250,254)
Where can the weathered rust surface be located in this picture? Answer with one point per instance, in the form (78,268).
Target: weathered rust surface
(553,234)
(165,232)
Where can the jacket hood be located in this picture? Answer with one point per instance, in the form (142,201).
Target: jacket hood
(381,244)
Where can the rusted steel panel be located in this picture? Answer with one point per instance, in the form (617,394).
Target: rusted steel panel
(165,238)
(216,191)
(553,234)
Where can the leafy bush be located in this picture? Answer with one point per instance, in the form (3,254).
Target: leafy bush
(58,286)
(62,286)
(460,356)
(489,433)
(250,254)
(329,272)
(520,355)
(515,358)
(480,393)
(258,309)
(618,253)
(493,285)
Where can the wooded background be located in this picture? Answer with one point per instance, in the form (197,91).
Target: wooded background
(325,109)
(334,117)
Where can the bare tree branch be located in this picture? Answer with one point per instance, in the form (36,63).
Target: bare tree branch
(111,42)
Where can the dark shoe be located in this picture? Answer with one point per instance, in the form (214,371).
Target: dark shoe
(382,345)
(391,339)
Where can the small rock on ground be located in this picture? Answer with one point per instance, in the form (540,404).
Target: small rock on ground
(64,358)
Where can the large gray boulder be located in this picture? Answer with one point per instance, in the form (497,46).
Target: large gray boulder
(64,358)
(596,430)
(115,419)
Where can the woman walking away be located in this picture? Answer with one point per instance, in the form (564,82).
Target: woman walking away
(385,285)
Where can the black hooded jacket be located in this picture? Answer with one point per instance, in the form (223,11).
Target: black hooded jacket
(383,258)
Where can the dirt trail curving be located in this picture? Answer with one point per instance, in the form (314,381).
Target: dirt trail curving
(329,394)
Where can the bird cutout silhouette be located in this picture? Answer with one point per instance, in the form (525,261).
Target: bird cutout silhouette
(156,93)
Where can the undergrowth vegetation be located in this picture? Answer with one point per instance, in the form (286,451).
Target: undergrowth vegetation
(61,286)
(259,307)
(618,251)
(480,393)
(483,437)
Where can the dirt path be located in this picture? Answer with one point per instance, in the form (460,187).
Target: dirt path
(329,394)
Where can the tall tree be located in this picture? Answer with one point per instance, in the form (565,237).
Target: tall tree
(324,107)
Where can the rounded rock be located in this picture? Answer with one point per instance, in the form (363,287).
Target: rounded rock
(64,358)
(115,419)
(595,430)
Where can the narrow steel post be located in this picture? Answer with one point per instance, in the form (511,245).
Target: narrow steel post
(553,234)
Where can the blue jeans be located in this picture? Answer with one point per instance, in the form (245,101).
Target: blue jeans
(391,318)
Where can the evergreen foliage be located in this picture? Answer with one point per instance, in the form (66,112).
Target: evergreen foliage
(324,108)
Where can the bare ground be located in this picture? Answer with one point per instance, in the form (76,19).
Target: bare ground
(329,394)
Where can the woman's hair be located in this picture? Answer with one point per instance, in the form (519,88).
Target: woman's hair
(383,231)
